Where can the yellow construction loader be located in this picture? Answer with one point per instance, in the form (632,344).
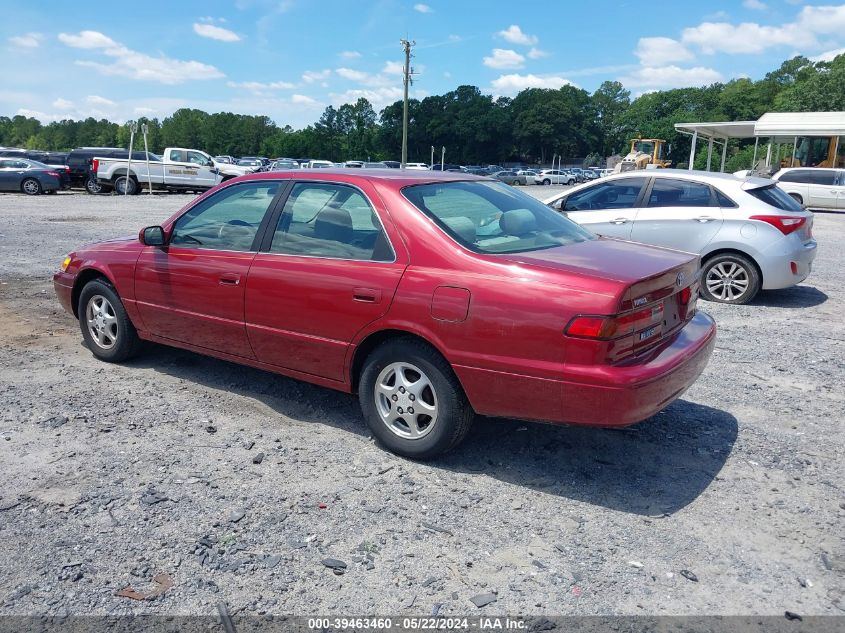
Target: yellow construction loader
(646,153)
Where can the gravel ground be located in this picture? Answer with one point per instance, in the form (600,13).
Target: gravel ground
(728,502)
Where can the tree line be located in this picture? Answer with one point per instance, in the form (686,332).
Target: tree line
(475,128)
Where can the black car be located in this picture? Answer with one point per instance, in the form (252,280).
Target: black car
(446,167)
(393,164)
(27,176)
(79,162)
(55,160)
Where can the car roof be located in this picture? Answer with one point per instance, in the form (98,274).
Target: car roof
(396,177)
(696,174)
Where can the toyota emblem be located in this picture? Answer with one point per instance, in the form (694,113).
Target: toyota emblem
(680,278)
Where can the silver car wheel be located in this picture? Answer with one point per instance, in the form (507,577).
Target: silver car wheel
(406,401)
(102,322)
(727,281)
(31,186)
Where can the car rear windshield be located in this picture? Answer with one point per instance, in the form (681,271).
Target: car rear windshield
(776,197)
(491,217)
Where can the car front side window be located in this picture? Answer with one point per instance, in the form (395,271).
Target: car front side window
(615,194)
(228,220)
(330,220)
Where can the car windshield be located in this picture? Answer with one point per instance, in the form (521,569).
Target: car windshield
(490,217)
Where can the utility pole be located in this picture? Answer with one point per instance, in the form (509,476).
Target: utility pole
(406,79)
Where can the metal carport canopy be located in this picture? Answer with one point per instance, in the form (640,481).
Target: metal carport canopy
(791,124)
(720,129)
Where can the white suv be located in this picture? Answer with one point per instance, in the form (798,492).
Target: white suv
(554,177)
(814,187)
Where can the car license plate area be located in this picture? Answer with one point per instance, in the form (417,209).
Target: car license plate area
(647,333)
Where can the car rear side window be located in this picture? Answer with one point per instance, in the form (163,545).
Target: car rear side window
(330,220)
(229,220)
(723,200)
(679,193)
(776,197)
(621,193)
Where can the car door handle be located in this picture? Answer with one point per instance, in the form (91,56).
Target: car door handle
(619,221)
(704,218)
(230,279)
(366,295)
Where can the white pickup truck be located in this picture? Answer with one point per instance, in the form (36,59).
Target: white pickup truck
(179,169)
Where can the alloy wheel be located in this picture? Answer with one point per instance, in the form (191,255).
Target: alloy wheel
(727,281)
(406,401)
(102,322)
(31,186)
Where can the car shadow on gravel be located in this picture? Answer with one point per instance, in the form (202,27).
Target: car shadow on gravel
(794,297)
(653,468)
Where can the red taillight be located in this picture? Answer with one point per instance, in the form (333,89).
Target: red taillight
(53,173)
(95,165)
(591,327)
(786,224)
(685,296)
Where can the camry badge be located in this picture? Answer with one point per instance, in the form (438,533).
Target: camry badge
(680,279)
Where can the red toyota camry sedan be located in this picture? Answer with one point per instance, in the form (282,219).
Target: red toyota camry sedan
(434,296)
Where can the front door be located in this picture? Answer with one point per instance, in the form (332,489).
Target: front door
(679,214)
(189,169)
(327,272)
(10,175)
(823,192)
(192,290)
(607,208)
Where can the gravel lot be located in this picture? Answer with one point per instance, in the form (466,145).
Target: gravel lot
(729,502)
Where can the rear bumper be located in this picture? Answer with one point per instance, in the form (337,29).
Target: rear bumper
(776,263)
(598,395)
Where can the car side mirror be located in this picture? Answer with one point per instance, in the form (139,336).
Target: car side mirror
(559,204)
(152,236)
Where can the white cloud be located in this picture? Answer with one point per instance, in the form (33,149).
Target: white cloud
(310,76)
(378,97)
(511,84)
(259,86)
(351,74)
(98,101)
(828,56)
(215,32)
(504,58)
(536,53)
(62,104)
(393,68)
(303,100)
(514,35)
(423,8)
(671,77)
(755,5)
(749,37)
(27,40)
(657,51)
(137,65)
(350,54)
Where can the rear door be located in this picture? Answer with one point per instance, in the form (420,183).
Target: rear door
(608,207)
(681,214)
(840,196)
(326,270)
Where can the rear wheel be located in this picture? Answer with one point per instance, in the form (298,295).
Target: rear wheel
(730,278)
(126,185)
(93,186)
(797,198)
(31,187)
(412,400)
(106,327)
(546,181)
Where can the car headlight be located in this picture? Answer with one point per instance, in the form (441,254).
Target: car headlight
(65,263)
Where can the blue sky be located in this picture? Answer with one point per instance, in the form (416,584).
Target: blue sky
(289,59)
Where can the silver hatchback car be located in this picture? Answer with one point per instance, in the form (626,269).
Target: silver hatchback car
(750,234)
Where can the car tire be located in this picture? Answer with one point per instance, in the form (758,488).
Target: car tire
(797,198)
(106,328)
(386,403)
(546,181)
(31,187)
(128,182)
(93,186)
(729,278)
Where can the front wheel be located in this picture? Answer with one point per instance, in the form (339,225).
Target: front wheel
(106,327)
(547,181)
(730,278)
(31,187)
(797,198)
(412,400)
(93,186)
